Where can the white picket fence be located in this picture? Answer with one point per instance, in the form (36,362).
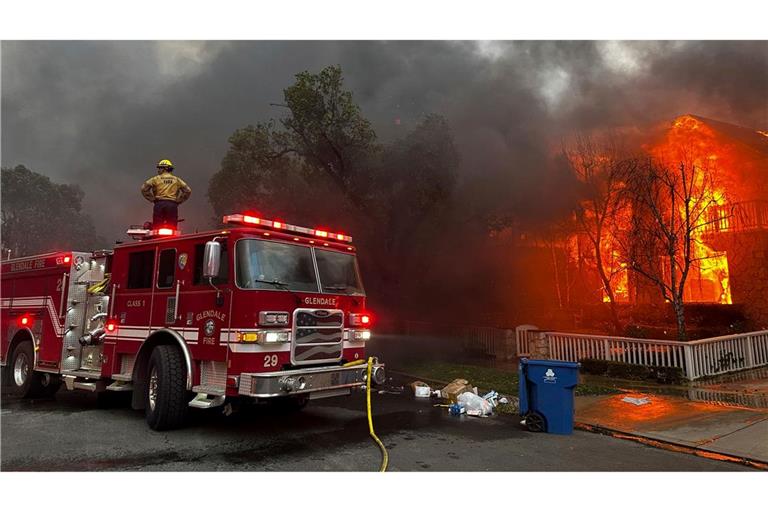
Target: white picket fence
(697,359)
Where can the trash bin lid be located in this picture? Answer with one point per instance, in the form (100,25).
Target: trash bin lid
(550,363)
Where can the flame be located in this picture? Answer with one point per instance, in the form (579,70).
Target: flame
(692,140)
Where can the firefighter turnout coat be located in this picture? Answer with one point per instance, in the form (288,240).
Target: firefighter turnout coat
(166,187)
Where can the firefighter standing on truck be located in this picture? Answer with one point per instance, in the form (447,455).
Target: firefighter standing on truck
(167,192)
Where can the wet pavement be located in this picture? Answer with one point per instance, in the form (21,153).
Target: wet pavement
(70,433)
(724,429)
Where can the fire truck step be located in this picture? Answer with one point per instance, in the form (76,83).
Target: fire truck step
(120,386)
(203,401)
(210,390)
(94,386)
(85,374)
(122,377)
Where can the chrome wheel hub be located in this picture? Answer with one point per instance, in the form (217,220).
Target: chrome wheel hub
(152,389)
(21,370)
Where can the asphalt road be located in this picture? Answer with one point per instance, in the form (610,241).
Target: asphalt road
(69,433)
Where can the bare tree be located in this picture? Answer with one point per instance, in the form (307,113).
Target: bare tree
(672,206)
(599,164)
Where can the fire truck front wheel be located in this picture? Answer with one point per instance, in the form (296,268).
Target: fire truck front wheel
(24,381)
(166,399)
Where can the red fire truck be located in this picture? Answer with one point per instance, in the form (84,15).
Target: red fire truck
(259,310)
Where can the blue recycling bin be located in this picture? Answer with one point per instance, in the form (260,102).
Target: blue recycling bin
(546,394)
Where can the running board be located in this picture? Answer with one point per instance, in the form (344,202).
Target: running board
(202,401)
(120,386)
(72,384)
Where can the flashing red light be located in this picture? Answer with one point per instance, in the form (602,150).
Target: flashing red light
(239,218)
(110,326)
(365,320)
(25,320)
(165,231)
(67,258)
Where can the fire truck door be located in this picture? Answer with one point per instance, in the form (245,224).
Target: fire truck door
(165,309)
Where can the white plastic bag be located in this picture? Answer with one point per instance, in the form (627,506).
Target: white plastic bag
(474,404)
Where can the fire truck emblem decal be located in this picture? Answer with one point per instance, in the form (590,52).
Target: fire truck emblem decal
(210,327)
(182,260)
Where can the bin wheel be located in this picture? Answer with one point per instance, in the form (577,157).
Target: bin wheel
(535,422)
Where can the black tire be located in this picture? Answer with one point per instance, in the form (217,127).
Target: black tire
(166,393)
(535,422)
(290,404)
(49,384)
(23,381)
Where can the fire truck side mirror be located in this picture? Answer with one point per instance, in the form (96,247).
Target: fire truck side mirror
(211,259)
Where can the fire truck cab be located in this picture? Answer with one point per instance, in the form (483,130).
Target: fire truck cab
(260,310)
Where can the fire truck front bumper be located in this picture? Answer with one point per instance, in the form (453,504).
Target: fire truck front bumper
(308,380)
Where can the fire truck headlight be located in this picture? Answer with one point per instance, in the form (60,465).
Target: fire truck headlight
(273,318)
(274,337)
(362,335)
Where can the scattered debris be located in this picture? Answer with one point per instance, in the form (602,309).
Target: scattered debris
(492,397)
(456,410)
(636,401)
(503,400)
(452,391)
(474,404)
(422,391)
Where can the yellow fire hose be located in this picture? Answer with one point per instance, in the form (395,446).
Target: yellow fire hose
(384,454)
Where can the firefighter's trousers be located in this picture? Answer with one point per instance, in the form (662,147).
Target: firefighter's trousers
(165,214)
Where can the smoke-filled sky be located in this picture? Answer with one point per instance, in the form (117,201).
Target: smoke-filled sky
(101,114)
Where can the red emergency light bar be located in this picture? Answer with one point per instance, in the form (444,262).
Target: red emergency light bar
(250,220)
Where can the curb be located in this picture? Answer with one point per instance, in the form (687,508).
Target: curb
(670,446)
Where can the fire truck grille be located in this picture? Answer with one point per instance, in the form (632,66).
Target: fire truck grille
(317,336)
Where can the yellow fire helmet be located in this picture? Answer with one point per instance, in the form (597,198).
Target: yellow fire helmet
(165,164)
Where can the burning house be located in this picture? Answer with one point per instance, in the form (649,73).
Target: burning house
(592,258)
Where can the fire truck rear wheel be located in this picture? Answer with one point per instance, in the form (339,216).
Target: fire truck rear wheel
(166,393)
(24,382)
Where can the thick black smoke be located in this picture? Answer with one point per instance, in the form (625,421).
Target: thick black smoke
(100,114)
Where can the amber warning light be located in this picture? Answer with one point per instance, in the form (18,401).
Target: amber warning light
(239,218)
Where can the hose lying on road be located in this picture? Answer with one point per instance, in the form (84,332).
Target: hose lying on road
(384,454)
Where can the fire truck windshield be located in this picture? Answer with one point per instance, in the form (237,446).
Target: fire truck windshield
(263,265)
(339,272)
